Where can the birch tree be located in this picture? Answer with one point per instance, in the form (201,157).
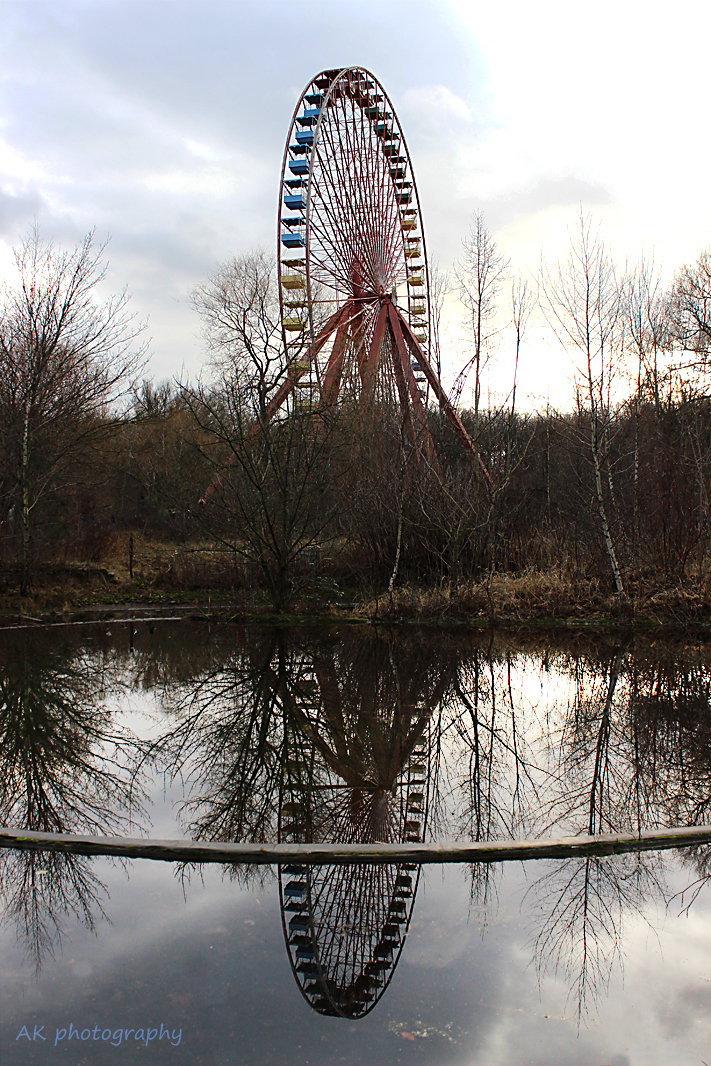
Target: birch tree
(481,273)
(581,302)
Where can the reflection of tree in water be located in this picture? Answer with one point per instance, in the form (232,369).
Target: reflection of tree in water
(633,755)
(489,766)
(591,786)
(40,889)
(227,742)
(632,751)
(672,701)
(313,740)
(236,727)
(580,904)
(64,767)
(583,904)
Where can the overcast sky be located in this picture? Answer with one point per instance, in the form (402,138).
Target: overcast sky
(162,123)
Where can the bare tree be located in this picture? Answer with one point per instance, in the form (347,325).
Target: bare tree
(239,307)
(646,334)
(271,496)
(647,328)
(440,285)
(481,273)
(522,303)
(690,307)
(581,301)
(65,360)
(241,317)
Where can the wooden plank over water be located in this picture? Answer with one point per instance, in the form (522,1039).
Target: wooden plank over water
(195,851)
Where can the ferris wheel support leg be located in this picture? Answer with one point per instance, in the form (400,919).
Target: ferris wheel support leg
(445,403)
(334,369)
(407,425)
(410,732)
(369,366)
(407,386)
(294,375)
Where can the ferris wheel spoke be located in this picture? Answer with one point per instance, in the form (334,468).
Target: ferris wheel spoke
(359,197)
(369,367)
(360,192)
(325,224)
(322,254)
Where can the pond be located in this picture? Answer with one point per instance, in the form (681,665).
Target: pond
(360,734)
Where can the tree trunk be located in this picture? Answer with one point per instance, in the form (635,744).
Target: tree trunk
(26,577)
(607,535)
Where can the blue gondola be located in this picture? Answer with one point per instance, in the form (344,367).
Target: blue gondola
(295,203)
(293,240)
(305,136)
(299,166)
(309,117)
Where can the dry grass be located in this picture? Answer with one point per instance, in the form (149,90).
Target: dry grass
(185,573)
(511,598)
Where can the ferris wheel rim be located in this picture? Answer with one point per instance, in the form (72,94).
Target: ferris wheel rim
(336,1009)
(334,79)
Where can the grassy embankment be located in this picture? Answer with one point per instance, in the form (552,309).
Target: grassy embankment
(192,577)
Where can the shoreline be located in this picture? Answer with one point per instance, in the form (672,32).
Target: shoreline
(476,607)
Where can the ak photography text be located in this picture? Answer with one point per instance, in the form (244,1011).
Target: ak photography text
(112,1036)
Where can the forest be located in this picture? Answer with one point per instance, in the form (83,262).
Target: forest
(119,487)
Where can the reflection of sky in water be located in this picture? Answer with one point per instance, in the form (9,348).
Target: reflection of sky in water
(207,955)
(212,963)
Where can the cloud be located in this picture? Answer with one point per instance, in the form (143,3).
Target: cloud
(17,211)
(541,195)
(204,151)
(433,103)
(207,181)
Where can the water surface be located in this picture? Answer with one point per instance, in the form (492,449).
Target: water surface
(362,734)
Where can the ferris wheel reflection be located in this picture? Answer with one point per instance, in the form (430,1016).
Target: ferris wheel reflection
(356,769)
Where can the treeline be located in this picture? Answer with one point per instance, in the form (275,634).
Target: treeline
(342,506)
(614,491)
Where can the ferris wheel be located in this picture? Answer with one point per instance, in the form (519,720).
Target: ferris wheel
(353,275)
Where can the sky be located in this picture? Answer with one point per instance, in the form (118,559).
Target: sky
(162,124)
